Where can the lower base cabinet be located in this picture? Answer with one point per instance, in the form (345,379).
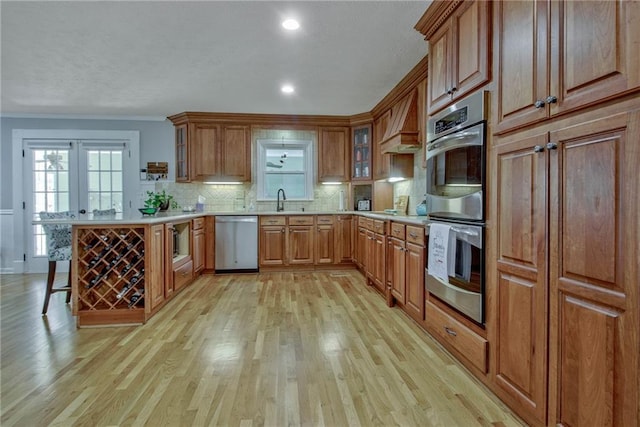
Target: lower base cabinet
(124,273)
(459,339)
(406,264)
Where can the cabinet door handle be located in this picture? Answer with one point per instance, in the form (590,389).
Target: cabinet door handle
(539,103)
(538,149)
(552,146)
(414,235)
(551,99)
(283,230)
(450,331)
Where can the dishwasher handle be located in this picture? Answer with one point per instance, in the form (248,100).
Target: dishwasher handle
(226,219)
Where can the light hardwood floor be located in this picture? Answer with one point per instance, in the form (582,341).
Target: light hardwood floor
(273,349)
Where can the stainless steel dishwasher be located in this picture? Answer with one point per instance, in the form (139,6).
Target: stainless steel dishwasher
(236,243)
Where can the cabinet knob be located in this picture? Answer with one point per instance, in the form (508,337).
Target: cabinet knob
(552,146)
(551,99)
(450,91)
(539,103)
(538,149)
(283,230)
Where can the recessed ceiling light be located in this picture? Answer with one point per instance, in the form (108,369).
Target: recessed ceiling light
(290,24)
(287,89)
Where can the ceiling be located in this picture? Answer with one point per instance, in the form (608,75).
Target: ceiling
(153,59)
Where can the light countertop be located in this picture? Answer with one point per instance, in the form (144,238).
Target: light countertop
(162,217)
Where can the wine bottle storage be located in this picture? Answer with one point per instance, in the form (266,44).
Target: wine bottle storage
(111,272)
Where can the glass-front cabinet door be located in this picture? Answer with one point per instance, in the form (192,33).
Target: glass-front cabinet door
(361,138)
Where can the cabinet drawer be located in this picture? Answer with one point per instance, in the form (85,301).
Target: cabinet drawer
(198,223)
(397,230)
(324,219)
(301,220)
(182,275)
(378,226)
(365,223)
(468,344)
(415,235)
(273,220)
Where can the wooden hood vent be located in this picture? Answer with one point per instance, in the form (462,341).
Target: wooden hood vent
(402,135)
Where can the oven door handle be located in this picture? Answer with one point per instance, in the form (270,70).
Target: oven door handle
(466,231)
(455,140)
(448,285)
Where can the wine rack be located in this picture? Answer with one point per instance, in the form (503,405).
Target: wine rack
(111,271)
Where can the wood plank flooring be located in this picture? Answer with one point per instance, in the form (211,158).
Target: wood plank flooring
(272,349)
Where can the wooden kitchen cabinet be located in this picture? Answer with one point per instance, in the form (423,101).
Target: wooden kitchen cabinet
(182,154)
(300,238)
(287,240)
(235,156)
(557,56)
(579,183)
(361,140)
(333,154)
(178,257)
(414,271)
(156,240)
(396,268)
(273,241)
(344,240)
(325,240)
(459,60)
(406,268)
(211,151)
(198,244)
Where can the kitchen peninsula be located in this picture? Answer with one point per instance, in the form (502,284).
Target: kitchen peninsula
(125,269)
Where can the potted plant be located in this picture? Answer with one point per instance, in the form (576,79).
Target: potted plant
(162,201)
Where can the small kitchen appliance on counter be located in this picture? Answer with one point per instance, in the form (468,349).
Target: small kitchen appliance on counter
(364,205)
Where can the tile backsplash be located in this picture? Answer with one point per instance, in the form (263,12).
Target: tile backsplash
(239,197)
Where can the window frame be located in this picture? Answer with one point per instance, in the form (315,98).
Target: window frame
(263,145)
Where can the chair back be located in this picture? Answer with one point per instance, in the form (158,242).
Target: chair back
(104,212)
(58,235)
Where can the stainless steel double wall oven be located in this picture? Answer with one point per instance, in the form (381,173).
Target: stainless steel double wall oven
(455,198)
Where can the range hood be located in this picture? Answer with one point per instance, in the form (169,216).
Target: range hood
(402,132)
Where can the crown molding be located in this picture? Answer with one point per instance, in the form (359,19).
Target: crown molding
(438,12)
(403,88)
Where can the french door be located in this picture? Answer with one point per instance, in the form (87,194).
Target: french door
(73,175)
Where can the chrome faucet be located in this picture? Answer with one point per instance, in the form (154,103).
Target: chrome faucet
(279,204)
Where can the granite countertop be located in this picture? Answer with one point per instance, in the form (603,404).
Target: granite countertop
(162,217)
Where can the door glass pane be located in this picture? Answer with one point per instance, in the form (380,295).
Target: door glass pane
(93,160)
(50,189)
(93,181)
(105,176)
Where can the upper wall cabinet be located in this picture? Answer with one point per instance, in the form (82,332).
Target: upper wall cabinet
(333,154)
(362,154)
(555,57)
(208,151)
(459,38)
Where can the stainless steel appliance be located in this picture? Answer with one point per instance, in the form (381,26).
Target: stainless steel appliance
(364,205)
(455,155)
(462,286)
(236,243)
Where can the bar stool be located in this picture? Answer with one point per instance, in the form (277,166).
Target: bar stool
(58,249)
